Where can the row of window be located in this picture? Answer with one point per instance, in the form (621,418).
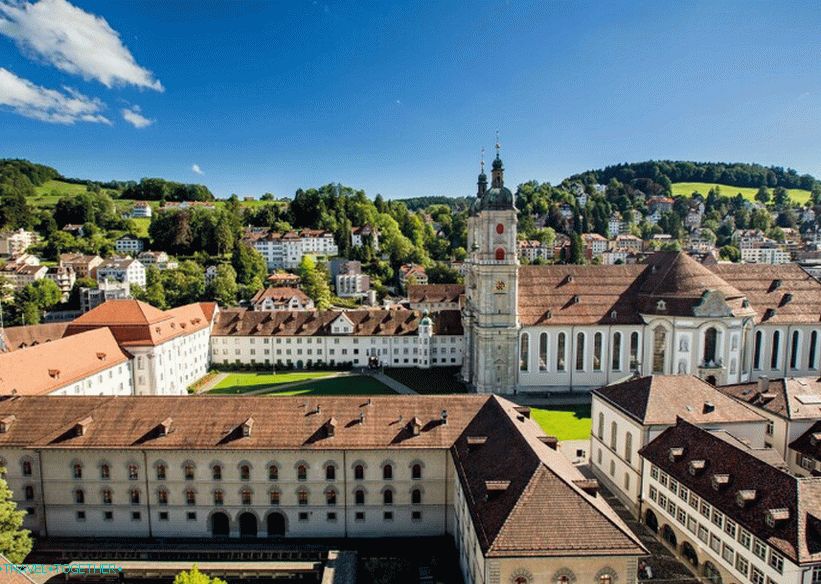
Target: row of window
(795,350)
(581,339)
(331,516)
(716,517)
(336,341)
(614,434)
(189,471)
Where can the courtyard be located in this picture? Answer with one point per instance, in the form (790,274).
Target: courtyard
(299,383)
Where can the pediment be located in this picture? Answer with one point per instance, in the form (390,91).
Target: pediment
(712,304)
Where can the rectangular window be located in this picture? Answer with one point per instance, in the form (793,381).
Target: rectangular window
(191,516)
(388,516)
(759,549)
(718,518)
(744,538)
(715,543)
(303,516)
(741,564)
(163,515)
(108,516)
(331,516)
(674,486)
(727,553)
(653,493)
(703,534)
(776,562)
(756,576)
(81,515)
(683,493)
(729,527)
(417,516)
(692,526)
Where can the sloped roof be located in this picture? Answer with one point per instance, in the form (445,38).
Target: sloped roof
(318,322)
(767,287)
(660,399)
(794,398)
(135,323)
(435,292)
(798,536)
(280,294)
(809,443)
(20,337)
(12,577)
(41,369)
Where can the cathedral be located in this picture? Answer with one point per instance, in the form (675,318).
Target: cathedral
(565,328)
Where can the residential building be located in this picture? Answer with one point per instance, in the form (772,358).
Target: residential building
(128,244)
(122,270)
(84,266)
(615,224)
(180,205)
(594,245)
(410,274)
(283,279)
(281,299)
(630,414)
(169,348)
(351,282)
(21,271)
(63,277)
(90,363)
(106,290)
(15,243)
(660,204)
(141,210)
(363,234)
(159,259)
(766,252)
(285,250)
(435,297)
(342,467)
(297,339)
(77,230)
(804,454)
(614,257)
(533,249)
(728,510)
(13,338)
(628,242)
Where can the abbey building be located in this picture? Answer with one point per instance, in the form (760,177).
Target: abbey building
(574,328)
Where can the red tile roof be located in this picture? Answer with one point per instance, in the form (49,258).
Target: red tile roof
(20,337)
(794,398)
(435,292)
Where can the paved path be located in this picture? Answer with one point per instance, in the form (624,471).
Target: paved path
(212,382)
(398,387)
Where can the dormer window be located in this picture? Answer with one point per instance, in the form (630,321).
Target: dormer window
(101,356)
(576,299)
(5,424)
(675,453)
(775,516)
(330,427)
(165,427)
(416,426)
(54,373)
(613,314)
(696,466)
(82,426)
(247,426)
(661,305)
(719,480)
(744,497)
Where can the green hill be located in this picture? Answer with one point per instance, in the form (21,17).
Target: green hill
(688,188)
(47,194)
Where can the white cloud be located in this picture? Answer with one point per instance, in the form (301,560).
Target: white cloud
(133,116)
(196,169)
(49,105)
(74,41)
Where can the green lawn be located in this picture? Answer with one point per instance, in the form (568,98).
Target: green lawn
(242,382)
(315,384)
(564,422)
(47,194)
(687,188)
(354,385)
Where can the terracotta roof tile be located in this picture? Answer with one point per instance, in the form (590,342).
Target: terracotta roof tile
(794,398)
(435,292)
(20,337)
(809,443)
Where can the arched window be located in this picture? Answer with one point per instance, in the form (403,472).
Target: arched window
(597,351)
(387,497)
(795,351)
(614,433)
(274,495)
(615,360)
(219,498)
(105,472)
(601,426)
(745,335)
(387,472)
(543,352)
(524,343)
(190,497)
(106,496)
(359,497)
(160,472)
(79,496)
(711,573)
(710,342)
(359,472)
(273,473)
(605,579)
(634,351)
(77,470)
(416,471)
(302,497)
(628,447)
(26,468)
(659,349)
(245,496)
(500,254)
(560,351)
(245,472)
(302,472)
(330,473)
(330,497)
(580,352)
(29,490)
(216,472)
(416,497)
(757,351)
(134,495)
(162,497)
(133,472)
(775,350)
(811,363)
(188,471)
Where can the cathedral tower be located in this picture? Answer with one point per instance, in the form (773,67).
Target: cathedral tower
(491,287)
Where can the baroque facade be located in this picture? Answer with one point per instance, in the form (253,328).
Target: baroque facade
(574,328)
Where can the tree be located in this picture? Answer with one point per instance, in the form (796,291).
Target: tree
(441,273)
(154,291)
(315,282)
(248,263)
(730,253)
(15,542)
(36,297)
(194,576)
(763,195)
(223,288)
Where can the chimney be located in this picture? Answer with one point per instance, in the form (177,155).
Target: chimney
(444,416)
(763,384)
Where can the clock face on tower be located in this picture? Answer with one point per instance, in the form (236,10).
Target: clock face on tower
(501,286)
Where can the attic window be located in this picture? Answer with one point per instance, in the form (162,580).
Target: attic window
(719,480)
(786,299)
(551,441)
(416,426)
(157,329)
(675,453)
(54,373)
(82,426)
(696,466)
(770,313)
(613,314)
(523,410)
(745,303)
(744,496)
(568,279)
(661,305)
(247,426)
(183,325)
(548,315)
(496,486)
(774,516)
(576,299)
(589,486)
(815,438)
(173,325)
(5,424)
(776,284)
(101,356)
(165,427)
(476,440)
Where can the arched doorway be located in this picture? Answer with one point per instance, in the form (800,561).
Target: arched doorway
(276,524)
(651,521)
(711,379)
(689,553)
(299,364)
(220,525)
(668,535)
(711,573)
(247,525)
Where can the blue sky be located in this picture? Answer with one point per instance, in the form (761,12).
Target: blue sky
(398,97)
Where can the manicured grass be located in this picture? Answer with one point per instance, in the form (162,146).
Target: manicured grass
(564,422)
(243,382)
(353,385)
(799,196)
